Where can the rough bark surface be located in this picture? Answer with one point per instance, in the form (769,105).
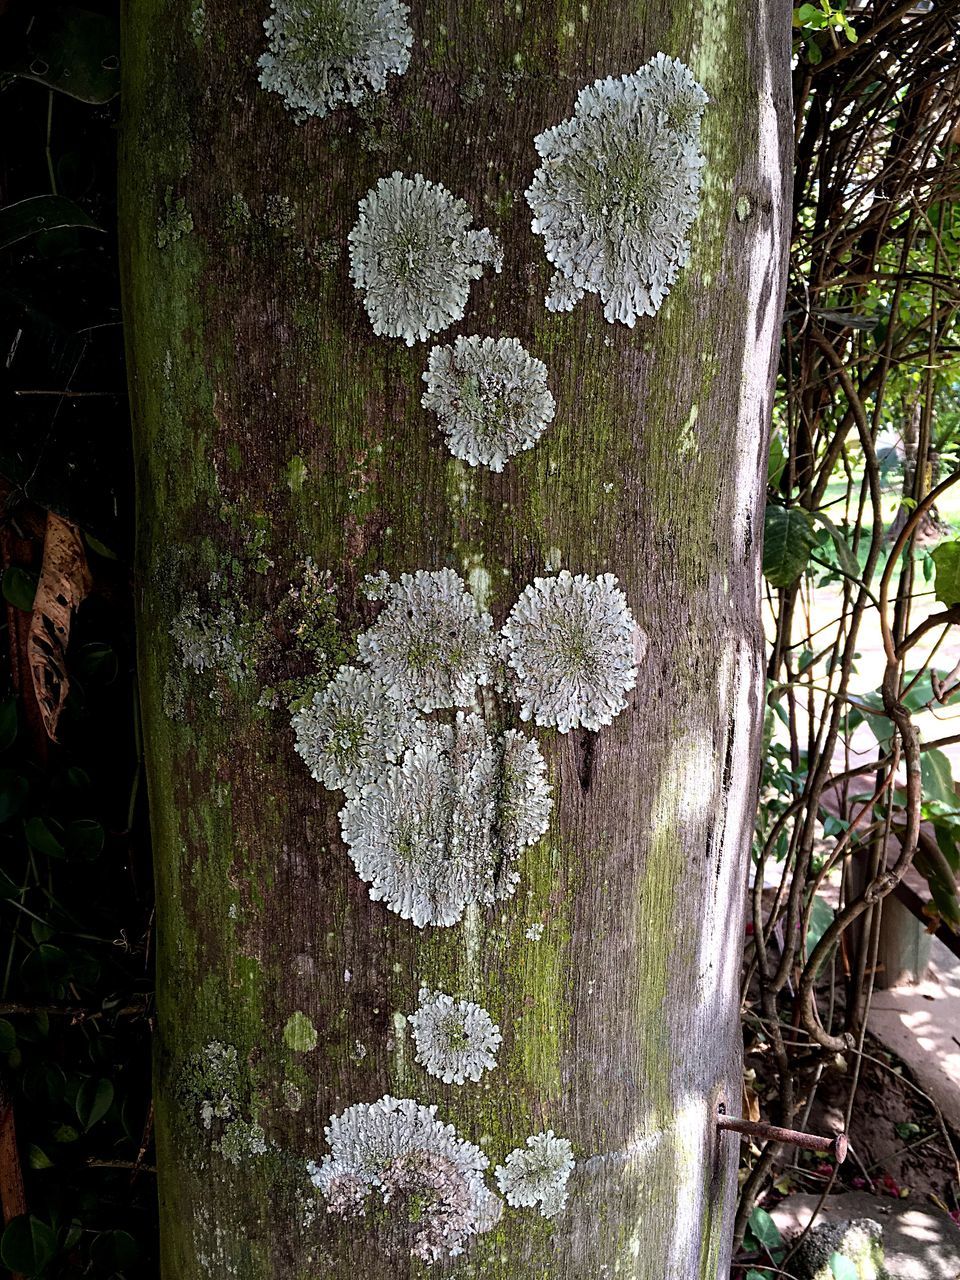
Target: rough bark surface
(271,426)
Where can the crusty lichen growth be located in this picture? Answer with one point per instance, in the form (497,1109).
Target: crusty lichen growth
(538,1173)
(175,221)
(353,730)
(223,640)
(572,649)
(456,1040)
(618,189)
(213,1081)
(491,398)
(431,645)
(324,54)
(413,255)
(428,1179)
(444,828)
(299,1033)
(314,646)
(437,814)
(213,1090)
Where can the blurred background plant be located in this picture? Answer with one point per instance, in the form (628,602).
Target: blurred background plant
(76,1181)
(859,821)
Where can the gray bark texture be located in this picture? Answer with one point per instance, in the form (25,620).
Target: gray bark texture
(282,455)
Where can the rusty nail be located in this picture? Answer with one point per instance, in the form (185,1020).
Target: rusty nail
(837,1147)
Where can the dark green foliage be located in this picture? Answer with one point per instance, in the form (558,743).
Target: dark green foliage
(946,557)
(788,537)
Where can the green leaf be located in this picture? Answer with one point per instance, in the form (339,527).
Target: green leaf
(96,662)
(944,829)
(114,1250)
(44,836)
(765,1229)
(8,1036)
(937,776)
(69,49)
(94,1100)
(848,561)
(788,537)
(945,900)
(907,1129)
(868,708)
(8,723)
(99,547)
(40,213)
(776,461)
(843,1268)
(19,587)
(41,932)
(46,966)
(946,557)
(821,917)
(37,1158)
(27,1245)
(65,1133)
(13,792)
(84,838)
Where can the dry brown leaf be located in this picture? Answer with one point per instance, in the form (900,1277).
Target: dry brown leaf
(751,1104)
(64,581)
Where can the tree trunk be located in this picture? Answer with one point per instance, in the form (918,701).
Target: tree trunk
(282,455)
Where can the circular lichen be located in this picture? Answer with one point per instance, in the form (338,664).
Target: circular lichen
(444,829)
(323,54)
(538,1173)
(413,256)
(429,1180)
(456,1040)
(490,396)
(618,189)
(432,645)
(572,648)
(352,730)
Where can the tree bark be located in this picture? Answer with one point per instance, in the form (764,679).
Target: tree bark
(273,426)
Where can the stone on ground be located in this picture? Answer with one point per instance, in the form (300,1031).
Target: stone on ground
(919,1241)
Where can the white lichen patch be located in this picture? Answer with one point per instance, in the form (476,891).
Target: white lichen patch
(428,1179)
(618,189)
(490,396)
(375,586)
(432,645)
(212,640)
(323,54)
(444,829)
(456,1040)
(572,649)
(352,730)
(523,801)
(538,1173)
(413,255)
